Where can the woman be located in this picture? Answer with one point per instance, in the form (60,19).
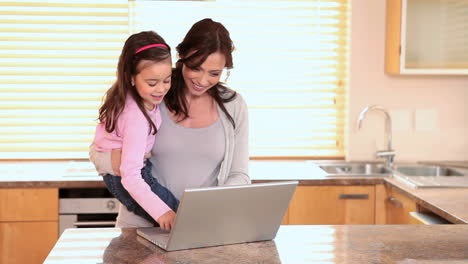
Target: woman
(203,138)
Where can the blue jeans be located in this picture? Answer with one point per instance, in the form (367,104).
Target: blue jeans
(114,185)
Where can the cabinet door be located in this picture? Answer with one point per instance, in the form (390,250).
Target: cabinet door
(398,208)
(28,204)
(28,224)
(286,218)
(26,242)
(332,205)
(426,37)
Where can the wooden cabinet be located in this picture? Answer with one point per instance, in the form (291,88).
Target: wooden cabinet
(398,208)
(331,205)
(28,224)
(426,37)
(334,205)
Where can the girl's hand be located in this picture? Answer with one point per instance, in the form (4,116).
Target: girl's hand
(166,221)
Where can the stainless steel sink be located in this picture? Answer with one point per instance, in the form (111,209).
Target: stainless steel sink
(428,171)
(414,175)
(427,176)
(352,169)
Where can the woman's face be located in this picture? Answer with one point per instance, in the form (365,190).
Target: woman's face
(199,80)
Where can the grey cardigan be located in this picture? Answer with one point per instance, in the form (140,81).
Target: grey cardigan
(234,168)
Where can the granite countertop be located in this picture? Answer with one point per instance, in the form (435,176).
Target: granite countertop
(50,174)
(82,174)
(401,244)
(449,203)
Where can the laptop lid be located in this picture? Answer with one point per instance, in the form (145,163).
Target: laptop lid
(229,214)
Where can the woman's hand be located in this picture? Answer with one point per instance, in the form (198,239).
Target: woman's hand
(116,155)
(166,221)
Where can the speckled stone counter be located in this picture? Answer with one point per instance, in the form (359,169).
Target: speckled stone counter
(49,174)
(451,203)
(442,244)
(82,174)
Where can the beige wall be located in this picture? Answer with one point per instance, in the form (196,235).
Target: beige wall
(430,113)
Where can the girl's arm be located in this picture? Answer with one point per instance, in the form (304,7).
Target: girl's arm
(134,129)
(166,221)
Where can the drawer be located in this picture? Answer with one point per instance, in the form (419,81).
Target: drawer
(427,219)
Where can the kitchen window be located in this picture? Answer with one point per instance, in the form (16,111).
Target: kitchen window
(57,58)
(290,65)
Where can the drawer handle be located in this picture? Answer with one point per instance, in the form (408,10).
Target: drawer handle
(354,196)
(94,223)
(395,202)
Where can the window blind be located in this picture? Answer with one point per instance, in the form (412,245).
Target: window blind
(57,58)
(290,65)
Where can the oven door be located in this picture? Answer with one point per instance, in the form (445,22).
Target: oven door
(87,212)
(86,221)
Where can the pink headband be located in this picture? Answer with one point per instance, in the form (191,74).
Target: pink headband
(150,46)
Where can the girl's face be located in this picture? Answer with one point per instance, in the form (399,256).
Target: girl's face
(199,80)
(153,81)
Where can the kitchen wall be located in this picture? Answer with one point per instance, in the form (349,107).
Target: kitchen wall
(430,113)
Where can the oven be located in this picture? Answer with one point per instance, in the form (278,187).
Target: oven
(86,208)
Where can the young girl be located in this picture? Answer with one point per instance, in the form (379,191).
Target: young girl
(129,120)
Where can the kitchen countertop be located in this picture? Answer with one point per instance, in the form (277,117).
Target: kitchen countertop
(82,174)
(19,174)
(401,244)
(50,174)
(450,203)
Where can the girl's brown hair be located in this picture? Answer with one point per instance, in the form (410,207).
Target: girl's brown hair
(204,38)
(127,67)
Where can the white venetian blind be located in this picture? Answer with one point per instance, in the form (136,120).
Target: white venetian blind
(290,64)
(57,58)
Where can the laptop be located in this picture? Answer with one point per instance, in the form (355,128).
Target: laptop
(225,215)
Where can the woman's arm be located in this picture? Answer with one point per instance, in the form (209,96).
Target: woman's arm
(239,170)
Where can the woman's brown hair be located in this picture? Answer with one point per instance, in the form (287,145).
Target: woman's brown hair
(127,67)
(204,38)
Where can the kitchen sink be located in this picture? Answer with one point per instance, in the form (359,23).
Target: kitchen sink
(428,171)
(427,176)
(352,169)
(414,175)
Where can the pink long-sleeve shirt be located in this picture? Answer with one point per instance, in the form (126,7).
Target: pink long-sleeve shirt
(133,137)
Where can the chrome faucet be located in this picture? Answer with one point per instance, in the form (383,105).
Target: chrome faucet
(389,153)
